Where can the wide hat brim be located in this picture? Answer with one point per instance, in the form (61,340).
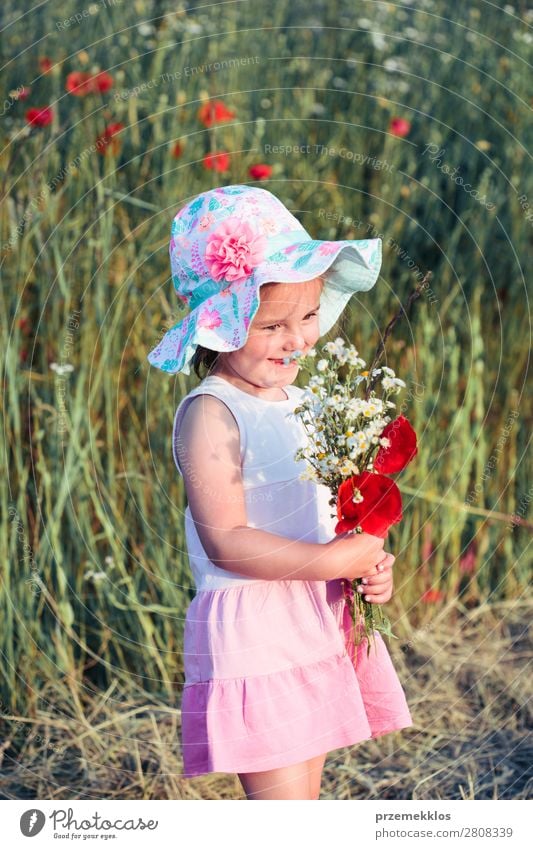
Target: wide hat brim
(221,321)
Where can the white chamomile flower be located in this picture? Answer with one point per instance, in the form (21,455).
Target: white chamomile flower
(392,384)
(348,467)
(354,359)
(294,356)
(62,369)
(385,442)
(387,371)
(359,441)
(336,347)
(334,402)
(322,365)
(96,576)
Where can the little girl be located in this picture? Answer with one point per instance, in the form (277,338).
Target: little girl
(271,684)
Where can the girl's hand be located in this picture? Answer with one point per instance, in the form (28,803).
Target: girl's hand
(354,556)
(378,588)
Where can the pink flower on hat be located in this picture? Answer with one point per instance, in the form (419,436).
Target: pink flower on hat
(206,221)
(269,226)
(290,249)
(327,248)
(209,319)
(234,250)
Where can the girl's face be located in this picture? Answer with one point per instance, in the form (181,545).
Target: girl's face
(286,321)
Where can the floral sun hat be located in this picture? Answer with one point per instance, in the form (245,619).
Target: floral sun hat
(225,244)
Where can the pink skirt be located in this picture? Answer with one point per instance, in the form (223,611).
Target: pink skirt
(270,680)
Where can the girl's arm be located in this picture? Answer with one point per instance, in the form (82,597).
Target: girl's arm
(209,456)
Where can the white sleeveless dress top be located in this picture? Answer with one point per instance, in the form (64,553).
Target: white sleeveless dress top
(276,499)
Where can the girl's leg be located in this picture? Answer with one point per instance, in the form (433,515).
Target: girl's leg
(315,767)
(288,782)
(299,781)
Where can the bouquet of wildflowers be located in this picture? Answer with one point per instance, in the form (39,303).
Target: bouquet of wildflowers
(354,443)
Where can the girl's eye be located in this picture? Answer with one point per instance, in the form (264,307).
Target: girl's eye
(273,326)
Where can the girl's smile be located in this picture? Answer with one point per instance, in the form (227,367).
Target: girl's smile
(282,363)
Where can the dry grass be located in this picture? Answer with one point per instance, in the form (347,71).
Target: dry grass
(467,684)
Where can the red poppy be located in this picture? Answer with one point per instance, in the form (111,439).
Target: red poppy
(107,139)
(402,449)
(381,504)
(23,93)
(79,83)
(432,596)
(102,82)
(217,161)
(177,150)
(24,325)
(399,127)
(39,117)
(45,64)
(467,564)
(428,549)
(214,112)
(260,172)
(82,83)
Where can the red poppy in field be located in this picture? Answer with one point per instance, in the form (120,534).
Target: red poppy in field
(79,83)
(107,139)
(102,82)
(379,507)
(177,150)
(402,449)
(260,172)
(214,112)
(428,549)
(24,325)
(39,116)
(432,596)
(399,127)
(82,83)
(45,64)
(467,564)
(218,161)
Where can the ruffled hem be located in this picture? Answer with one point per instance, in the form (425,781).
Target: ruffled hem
(264,722)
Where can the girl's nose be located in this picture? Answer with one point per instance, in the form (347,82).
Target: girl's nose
(294,341)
